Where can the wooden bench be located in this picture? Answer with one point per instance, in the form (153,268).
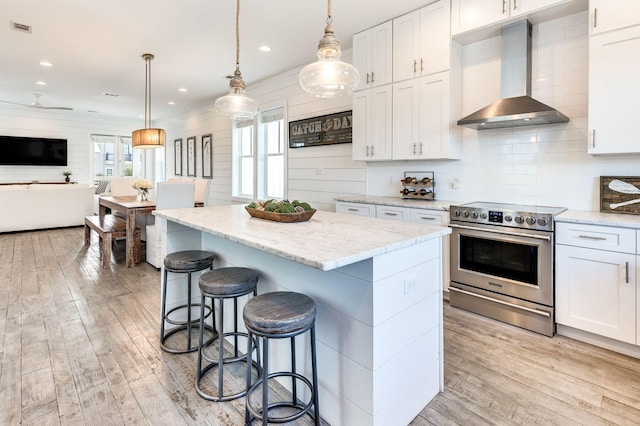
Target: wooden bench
(109,227)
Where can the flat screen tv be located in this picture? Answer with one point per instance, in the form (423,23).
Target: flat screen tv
(23,151)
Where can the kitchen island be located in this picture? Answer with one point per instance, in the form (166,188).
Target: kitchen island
(378,289)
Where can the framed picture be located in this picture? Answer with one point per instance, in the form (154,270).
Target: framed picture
(177,152)
(207,157)
(191,156)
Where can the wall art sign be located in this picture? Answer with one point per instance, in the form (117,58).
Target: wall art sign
(191,156)
(207,157)
(323,130)
(620,194)
(177,155)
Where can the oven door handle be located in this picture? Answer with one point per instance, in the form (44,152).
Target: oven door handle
(496,231)
(502,302)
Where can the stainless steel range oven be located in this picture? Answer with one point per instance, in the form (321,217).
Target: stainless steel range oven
(502,262)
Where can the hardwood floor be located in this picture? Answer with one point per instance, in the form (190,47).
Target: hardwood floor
(79,346)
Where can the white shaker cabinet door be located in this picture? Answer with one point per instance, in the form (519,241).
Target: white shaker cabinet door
(596,292)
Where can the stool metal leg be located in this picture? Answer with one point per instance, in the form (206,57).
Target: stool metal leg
(189,301)
(201,336)
(294,387)
(314,369)
(221,349)
(265,381)
(164,306)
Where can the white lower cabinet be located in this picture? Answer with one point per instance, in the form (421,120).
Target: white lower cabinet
(596,280)
(356,209)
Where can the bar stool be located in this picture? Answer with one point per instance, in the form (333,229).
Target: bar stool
(188,261)
(280,315)
(222,284)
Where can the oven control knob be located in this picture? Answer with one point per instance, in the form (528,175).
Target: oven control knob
(474,215)
(531,220)
(483,215)
(456,213)
(465,214)
(508,218)
(543,221)
(519,219)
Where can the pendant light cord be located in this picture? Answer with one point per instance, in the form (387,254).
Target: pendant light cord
(147,94)
(329,17)
(237,33)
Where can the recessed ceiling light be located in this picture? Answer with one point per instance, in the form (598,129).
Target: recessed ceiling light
(171,103)
(265,48)
(41,83)
(46,64)
(182,89)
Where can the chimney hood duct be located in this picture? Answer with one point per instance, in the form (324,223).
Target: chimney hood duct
(516,108)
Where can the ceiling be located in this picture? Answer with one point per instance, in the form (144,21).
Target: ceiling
(95,48)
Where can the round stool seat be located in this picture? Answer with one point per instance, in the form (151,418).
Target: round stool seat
(228,281)
(279,312)
(188,260)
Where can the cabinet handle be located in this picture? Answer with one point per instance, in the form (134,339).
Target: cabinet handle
(390,214)
(589,237)
(414,149)
(421,65)
(372,79)
(595,17)
(415,66)
(351,209)
(627,272)
(367,78)
(367,150)
(515,5)
(593,138)
(420,148)
(504,4)
(427,218)
(372,146)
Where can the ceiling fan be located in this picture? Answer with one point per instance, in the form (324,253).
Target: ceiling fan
(38,105)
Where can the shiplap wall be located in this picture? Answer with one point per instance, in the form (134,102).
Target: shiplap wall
(314,174)
(75,126)
(539,165)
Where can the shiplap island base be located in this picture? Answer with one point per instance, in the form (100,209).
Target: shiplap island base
(378,288)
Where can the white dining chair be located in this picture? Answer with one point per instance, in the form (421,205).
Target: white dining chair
(202,191)
(169,195)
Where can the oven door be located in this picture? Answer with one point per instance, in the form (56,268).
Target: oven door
(507,261)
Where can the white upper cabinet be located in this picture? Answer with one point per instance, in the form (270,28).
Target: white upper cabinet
(422,119)
(421,41)
(372,55)
(468,15)
(607,15)
(614,88)
(372,124)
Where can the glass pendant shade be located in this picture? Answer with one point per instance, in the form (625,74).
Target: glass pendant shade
(236,105)
(329,77)
(148,138)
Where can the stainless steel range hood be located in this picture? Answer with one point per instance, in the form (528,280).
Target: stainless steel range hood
(517,107)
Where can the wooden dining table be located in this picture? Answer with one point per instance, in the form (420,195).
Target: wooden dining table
(130,206)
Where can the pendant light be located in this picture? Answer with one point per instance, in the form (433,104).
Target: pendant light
(329,77)
(147,137)
(236,105)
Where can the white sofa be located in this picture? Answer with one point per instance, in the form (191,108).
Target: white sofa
(39,206)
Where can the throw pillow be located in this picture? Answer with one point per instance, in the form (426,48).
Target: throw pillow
(102,186)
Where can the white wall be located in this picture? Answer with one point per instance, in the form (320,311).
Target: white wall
(75,126)
(543,165)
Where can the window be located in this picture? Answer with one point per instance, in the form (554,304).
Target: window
(259,156)
(114,156)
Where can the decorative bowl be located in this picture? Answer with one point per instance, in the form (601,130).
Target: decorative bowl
(281,217)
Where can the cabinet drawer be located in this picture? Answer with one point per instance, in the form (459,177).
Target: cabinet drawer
(357,209)
(393,213)
(429,217)
(620,240)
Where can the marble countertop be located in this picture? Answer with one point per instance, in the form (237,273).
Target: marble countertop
(327,241)
(599,218)
(442,205)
